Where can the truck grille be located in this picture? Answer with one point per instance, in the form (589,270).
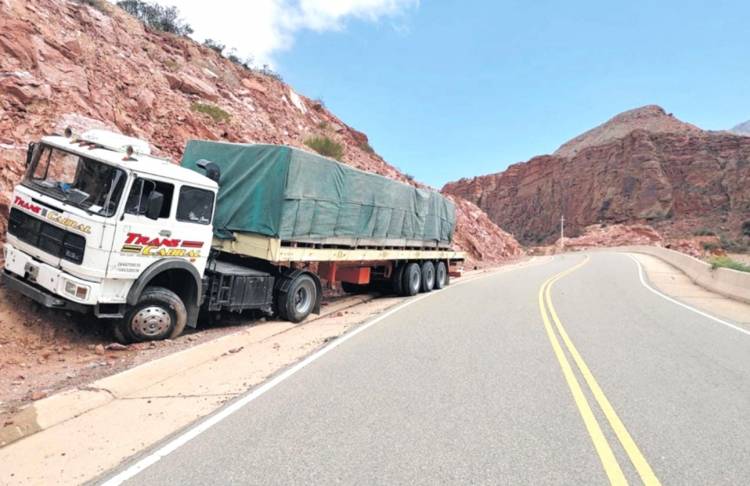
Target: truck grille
(48,238)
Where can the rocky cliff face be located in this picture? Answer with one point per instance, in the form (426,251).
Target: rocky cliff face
(742,129)
(673,176)
(68,63)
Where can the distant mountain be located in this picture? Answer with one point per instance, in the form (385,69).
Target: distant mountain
(651,118)
(742,129)
(642,166)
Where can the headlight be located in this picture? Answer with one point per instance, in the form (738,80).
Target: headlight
(76,290)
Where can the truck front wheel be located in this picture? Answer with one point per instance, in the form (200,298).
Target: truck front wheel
(298,302)
(159,314)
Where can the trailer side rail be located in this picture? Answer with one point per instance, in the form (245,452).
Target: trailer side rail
(276,251)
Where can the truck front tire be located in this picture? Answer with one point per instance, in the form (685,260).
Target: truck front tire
(412,280)
(159,314)
(298,302)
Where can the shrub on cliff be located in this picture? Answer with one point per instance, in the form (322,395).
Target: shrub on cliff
(325,146)
(216,113)
(157,17)
(214,45)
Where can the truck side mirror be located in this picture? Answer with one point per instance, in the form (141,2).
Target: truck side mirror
(154,204)
(30,153)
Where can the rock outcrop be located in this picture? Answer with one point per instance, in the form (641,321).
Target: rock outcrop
(672,176)
(742,129)
(89,64)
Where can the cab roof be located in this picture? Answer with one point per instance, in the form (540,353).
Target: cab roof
(108,147)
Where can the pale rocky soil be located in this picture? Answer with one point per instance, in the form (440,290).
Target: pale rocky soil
(43,351)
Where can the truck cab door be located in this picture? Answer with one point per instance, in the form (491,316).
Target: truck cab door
(172,232)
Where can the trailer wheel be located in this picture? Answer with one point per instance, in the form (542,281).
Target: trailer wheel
(159,314)
(298,302)
(397,280)
(428,276)
(412,281)
(441,275)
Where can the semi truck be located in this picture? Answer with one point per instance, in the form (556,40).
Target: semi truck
(100,225)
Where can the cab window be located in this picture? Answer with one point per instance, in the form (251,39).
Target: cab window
(195,205)
(138,197)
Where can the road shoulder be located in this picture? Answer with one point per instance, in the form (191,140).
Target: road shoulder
(674,283)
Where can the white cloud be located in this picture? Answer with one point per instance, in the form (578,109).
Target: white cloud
(262,28)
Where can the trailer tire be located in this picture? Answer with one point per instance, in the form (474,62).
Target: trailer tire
(412,280)
(441,275)
(428,276)
(397,280)
(298,302)
(158,314)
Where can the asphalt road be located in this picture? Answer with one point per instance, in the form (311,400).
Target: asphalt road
(489,382)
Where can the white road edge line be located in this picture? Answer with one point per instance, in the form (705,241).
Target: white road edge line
(704,314)
(206,424)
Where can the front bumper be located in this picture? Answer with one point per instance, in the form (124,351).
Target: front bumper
(41,296)
(52,280)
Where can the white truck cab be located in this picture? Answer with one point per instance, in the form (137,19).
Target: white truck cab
(100,224)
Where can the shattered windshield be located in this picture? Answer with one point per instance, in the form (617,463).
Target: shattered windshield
(76,180)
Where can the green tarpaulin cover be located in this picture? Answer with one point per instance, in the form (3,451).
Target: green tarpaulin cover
(288,193)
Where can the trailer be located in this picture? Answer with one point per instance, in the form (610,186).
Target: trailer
(99,225)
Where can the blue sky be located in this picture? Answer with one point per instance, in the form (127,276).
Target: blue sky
(449,89)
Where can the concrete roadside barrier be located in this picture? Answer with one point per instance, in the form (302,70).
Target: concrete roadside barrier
(727,282)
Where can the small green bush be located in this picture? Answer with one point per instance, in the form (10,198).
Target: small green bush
(734,246)
(325,146)
(157,17)
(710,246)
(726,262)
(705,232)
(214,45)
(216,113)
(267,71)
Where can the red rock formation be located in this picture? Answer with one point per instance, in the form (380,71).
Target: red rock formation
(598,235)
(484,241)
(677,181)
(68,63)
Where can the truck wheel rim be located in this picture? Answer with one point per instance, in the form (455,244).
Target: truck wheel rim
(415,280)
(151,321)
(302,299)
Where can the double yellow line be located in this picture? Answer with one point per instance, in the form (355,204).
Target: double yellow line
(607,457)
